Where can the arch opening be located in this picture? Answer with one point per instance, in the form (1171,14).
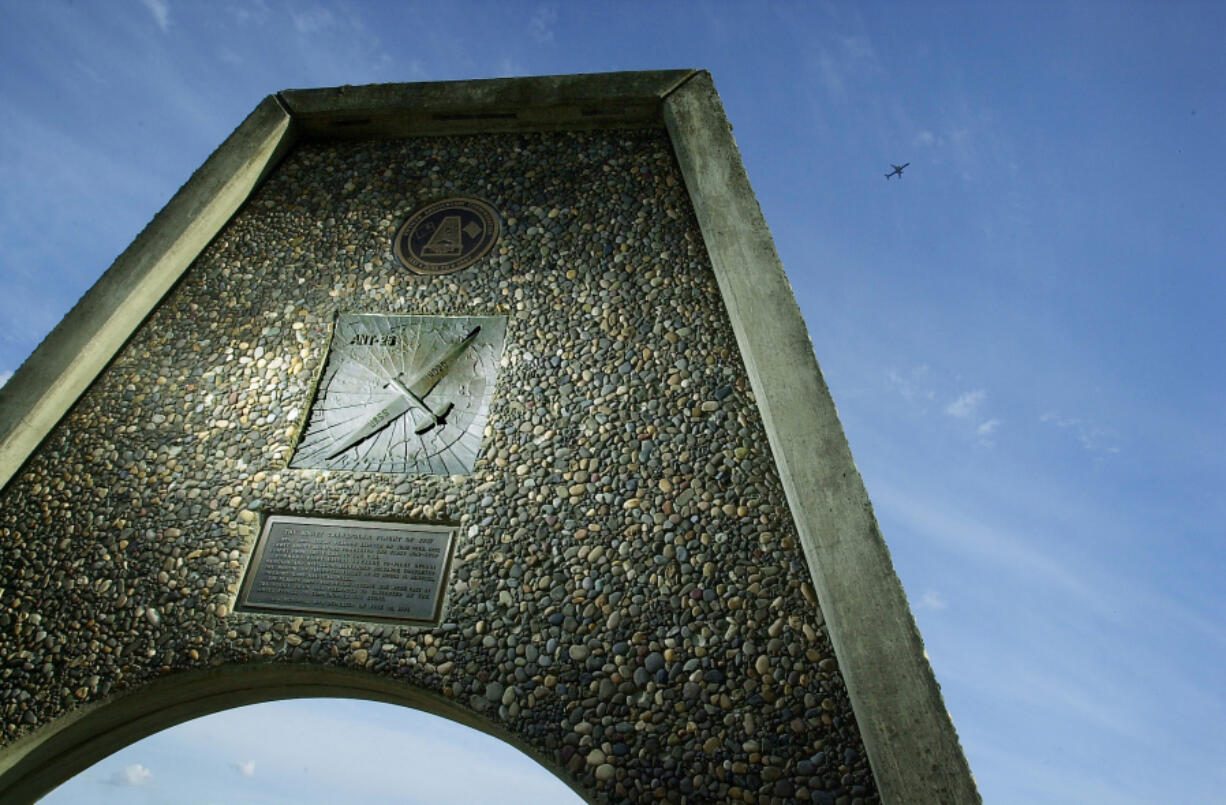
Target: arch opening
(55,754)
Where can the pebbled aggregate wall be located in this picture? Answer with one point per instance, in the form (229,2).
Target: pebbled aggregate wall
(628,598)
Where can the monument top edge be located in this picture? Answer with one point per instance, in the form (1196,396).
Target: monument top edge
(586,100)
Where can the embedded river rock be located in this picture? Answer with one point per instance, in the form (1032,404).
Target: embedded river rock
(628,593)
(610,570)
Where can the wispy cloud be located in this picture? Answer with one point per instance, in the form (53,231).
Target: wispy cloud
(4,377)
(251,11)
(1040,782)
(245,767)
(338,43)
(133,775)
(1055,663)
(507,67)
(966,408)
(230,57)
(931,599)
(540,26)
(36,171)
(1009,553)
(967,404)
(846,61)
(986,430)
(911,384)
(160,11)
(312,20)
(373,739)
(1100,441)
(829,73)
(858,49)
(1072,692)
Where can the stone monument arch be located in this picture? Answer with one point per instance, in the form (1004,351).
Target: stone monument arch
(489,398)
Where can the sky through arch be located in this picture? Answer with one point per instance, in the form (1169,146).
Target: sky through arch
(315,752)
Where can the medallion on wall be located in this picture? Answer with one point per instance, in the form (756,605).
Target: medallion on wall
(445,236)
(403,393)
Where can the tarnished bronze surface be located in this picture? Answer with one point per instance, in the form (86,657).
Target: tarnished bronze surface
(403,394)
(448,235)
(349,568)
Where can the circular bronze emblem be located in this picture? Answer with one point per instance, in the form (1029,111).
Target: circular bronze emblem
(446,236)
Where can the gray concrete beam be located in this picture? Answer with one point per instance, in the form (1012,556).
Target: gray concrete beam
(906,729)
(541,103)
(42,390)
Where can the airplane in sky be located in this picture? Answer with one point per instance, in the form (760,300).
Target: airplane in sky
(897,170)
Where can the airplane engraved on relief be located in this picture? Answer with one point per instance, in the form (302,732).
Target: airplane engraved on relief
(897,170)
(411,395)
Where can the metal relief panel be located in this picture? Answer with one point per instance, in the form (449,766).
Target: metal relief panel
(403,394)
(349,568)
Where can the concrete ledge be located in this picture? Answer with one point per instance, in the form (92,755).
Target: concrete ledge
(912,746)
(42,390)
(543,103)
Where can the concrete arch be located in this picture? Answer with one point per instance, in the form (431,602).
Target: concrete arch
(697,543)
(32,767)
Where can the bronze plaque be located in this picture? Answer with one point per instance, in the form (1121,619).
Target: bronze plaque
(446,236)
(358,569)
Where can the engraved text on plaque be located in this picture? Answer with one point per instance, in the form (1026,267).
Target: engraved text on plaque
(349,568)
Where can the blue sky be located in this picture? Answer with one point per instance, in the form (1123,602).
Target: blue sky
(1023,334)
